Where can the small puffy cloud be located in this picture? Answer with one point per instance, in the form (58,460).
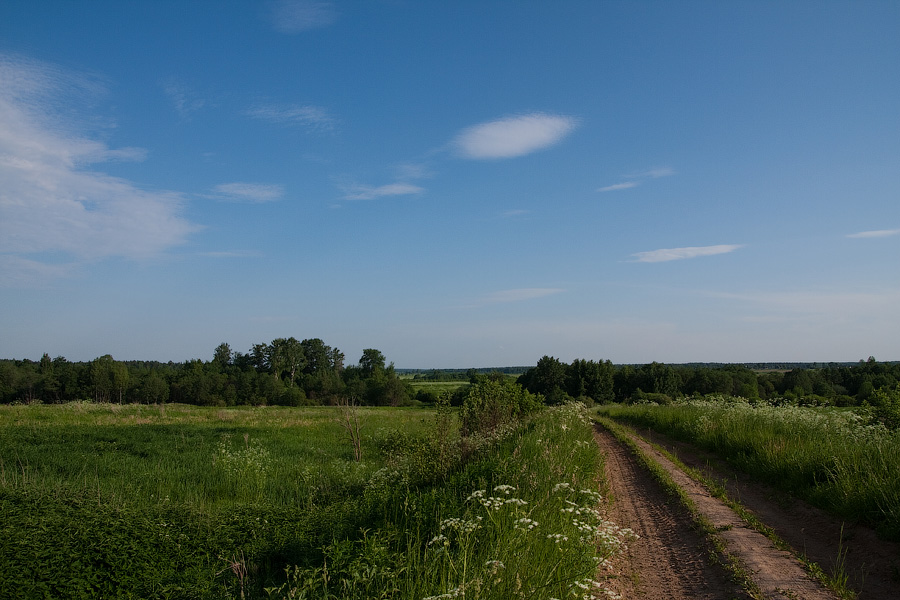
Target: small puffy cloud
(667,254)
(513,136)
(618,186)
(367,192)
(878,233)
(296,16)
(49,203)
(310,117)
(520,294)
(248,192)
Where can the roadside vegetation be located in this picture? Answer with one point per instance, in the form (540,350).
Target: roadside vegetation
(846,461)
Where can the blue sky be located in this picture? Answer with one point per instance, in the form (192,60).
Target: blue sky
(454,183)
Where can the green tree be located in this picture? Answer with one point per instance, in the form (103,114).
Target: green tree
(102,378)
(222,356)
(154,389)
(371,362)
(547,378)
(286,356)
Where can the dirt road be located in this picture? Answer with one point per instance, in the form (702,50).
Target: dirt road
(872,565)
(671,560)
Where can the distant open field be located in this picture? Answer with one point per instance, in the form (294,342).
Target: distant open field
(438,387)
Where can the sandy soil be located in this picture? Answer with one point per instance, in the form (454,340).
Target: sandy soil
(671,560)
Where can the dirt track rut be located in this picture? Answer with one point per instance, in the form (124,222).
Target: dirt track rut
(671,560)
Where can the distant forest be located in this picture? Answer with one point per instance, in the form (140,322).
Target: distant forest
(309,372)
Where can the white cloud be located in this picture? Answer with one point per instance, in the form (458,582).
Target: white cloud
(618,186)
(875,234)
(48,201)
(249,192)
(667,254)
(295,16)
(367,192)
(513,136)
(518,295)
(311,117)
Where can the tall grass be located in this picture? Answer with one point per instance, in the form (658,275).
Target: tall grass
(522,521)
(829,457)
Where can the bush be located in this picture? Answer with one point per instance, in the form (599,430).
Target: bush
(886,407)
(490,404)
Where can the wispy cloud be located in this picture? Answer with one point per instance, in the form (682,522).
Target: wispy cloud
(308,116)
(619,186)
(516,212)
(48,202)
(184,100)
(18,272)
(518,295)
(820,302)
(654,173)
(367,192)
(667,254)
(296,16)
(513,136)
(407,171)
(233,254)
(635,179)
(248,192)
(878,233)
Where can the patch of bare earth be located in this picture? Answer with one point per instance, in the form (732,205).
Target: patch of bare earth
(872,564)
(669,561)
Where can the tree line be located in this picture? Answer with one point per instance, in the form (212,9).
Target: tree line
(602,382)
(290,372)
(285,371)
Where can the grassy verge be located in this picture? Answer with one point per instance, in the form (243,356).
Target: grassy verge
(825,456)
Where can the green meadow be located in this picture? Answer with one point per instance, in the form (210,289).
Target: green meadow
(175,501)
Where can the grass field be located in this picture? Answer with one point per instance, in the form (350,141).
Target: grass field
(186,502)
(438,387)
(830,457)
(207,458)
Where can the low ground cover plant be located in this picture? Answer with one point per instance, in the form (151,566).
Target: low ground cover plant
(840,459)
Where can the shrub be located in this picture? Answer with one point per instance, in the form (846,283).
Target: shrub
(490,404)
